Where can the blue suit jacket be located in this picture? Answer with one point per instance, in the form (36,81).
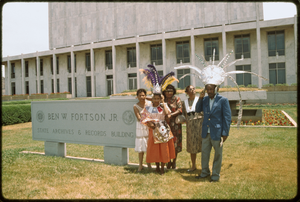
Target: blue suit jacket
(218,119)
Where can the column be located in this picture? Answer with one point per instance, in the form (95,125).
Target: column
(258,46)
(23,74)
(193,79)
(8,89)
(114,66)
(164,54)
(38,72)
(224,48)
(137,51)
(72,72)
(92,69)
(54,71)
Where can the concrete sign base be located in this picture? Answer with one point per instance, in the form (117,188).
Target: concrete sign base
(55,149)
(116,155)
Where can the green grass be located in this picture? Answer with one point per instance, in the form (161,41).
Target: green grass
(258,163)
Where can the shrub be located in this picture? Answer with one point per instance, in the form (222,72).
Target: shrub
(281,84)
(13,114)
(197,87)
(227,87)
(252,86)
(268,85)
(241,86)
(294,84)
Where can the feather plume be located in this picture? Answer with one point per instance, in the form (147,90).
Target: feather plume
(164,78)
(167,82)
(155,73)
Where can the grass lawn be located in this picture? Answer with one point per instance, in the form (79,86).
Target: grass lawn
(258,163)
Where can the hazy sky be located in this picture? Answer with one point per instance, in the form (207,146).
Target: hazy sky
(25,25)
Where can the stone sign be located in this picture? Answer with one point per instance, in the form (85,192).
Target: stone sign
(109,123)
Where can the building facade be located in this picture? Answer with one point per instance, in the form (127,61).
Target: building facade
(97,49)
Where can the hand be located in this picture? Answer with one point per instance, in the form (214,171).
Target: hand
(202,94)
(151,125)
(224,138)
(162,98)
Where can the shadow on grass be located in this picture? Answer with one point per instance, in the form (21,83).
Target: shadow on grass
(134,170)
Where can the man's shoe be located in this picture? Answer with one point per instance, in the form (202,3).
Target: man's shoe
(214,180)
(200,177)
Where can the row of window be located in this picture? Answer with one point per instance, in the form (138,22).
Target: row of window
(276,47)
(277,74)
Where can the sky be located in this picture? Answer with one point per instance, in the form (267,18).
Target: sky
(27,32)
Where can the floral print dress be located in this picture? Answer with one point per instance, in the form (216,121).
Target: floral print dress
(175,104)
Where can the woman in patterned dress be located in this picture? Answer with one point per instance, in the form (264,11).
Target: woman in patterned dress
(174,103)
(141,130)
(161,152)
(193,125)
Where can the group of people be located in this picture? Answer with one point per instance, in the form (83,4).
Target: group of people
(159,129)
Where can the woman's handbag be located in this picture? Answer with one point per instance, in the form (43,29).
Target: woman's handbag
(180,119)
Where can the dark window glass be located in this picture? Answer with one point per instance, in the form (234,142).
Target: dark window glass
(242,46)
(183,83)
(26,87)
(183,52)
(26,69)
(51,67)
(13,88)
(52,86)
(57,65)
(277,73)
(209,46)
(156,54)
(42,86)
(75,63)
(13,74)
(276,43)
(41,67)
(70,85)
(75,87)
(88,62)
(69,63)
(131,57)
(109,81)
(57,85)
(244,78)
(132,81)
(108,59)
(88,86)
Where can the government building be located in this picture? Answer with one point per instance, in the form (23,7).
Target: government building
(97,49)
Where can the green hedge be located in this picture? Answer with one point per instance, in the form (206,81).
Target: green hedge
(13,114)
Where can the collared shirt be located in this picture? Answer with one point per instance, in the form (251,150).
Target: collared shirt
(211,102)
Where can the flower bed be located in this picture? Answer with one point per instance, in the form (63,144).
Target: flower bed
(271,117)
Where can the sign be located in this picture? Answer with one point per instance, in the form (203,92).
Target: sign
(94,122)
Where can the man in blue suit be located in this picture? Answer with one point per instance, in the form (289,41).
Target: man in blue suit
(216,124)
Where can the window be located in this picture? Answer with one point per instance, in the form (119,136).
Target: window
(183,83)
(160,73)
(75,87)
(243,79)
(88,86)
(51,67)
(13,70)
(70,85)
(132,81)
(277,73)
(57,66)
(69,63)
(57,85)
(109,81)
(42,86)
(13,88)
(156,54)
(183,52)
(242,46)
(209,46)
(131,57)
(108,59)
(26,69)
(26,87)
(41,67)
(75,63)
(88,62)
(276,43)
(35,67)
(52,86)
